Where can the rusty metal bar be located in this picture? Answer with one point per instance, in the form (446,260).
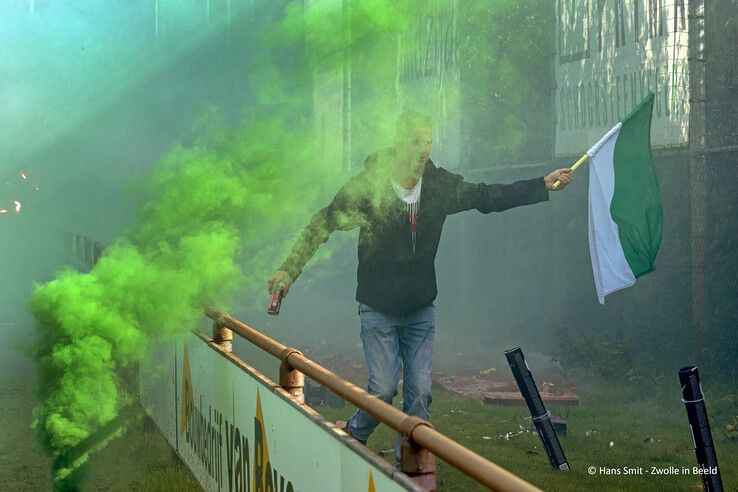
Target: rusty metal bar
(262,341)
(222,336)
(420,431)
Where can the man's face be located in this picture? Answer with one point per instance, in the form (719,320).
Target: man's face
(415,146)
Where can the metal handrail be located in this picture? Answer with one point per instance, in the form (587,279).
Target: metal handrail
(419,431)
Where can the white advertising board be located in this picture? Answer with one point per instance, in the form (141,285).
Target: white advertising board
(237,431)
(609,54)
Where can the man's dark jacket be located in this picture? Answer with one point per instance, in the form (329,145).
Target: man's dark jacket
(391,277)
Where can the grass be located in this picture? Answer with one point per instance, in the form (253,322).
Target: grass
(644,433)
(140,460)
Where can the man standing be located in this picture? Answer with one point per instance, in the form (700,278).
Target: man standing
(400,202)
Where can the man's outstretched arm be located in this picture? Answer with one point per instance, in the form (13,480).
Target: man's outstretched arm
(342,214)
(315,233)
(487,198)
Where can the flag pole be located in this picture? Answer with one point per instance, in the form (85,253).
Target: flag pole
(573,168)
(595,148)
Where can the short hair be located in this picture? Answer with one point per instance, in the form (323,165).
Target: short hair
(412,120)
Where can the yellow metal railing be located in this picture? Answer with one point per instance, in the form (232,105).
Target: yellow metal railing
(416,430)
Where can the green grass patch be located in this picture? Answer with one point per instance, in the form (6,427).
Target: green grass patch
(644,433)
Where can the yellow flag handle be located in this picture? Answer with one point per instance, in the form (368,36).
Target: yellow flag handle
(573,168)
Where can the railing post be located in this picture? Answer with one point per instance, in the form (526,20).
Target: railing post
(222,336)
(417,462)
(290,379)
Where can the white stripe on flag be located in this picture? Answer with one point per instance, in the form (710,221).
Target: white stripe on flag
(610,268)
(611,134)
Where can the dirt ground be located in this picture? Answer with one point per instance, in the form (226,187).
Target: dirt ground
(23,464)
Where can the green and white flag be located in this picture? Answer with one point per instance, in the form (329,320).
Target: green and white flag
(625,213)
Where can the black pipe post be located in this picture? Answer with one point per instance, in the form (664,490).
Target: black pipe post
(694,401)
(541,418)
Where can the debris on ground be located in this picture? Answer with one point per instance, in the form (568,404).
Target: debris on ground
(507,436)
(470,384)
(515,398)
(490,390)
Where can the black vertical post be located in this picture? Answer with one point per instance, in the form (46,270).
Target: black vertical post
(694,400)
(541,418)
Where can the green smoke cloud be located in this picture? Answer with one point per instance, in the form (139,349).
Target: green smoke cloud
(212,202)
(218,212)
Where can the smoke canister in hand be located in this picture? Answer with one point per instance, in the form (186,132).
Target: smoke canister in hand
(276,301)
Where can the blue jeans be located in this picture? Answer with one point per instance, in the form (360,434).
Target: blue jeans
(395,345)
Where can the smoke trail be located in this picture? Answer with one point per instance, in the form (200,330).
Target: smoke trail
(213,201)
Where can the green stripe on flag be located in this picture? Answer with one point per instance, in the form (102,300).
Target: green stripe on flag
(636,203)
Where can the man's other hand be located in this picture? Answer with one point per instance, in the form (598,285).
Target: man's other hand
(280,280)
(564,175)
